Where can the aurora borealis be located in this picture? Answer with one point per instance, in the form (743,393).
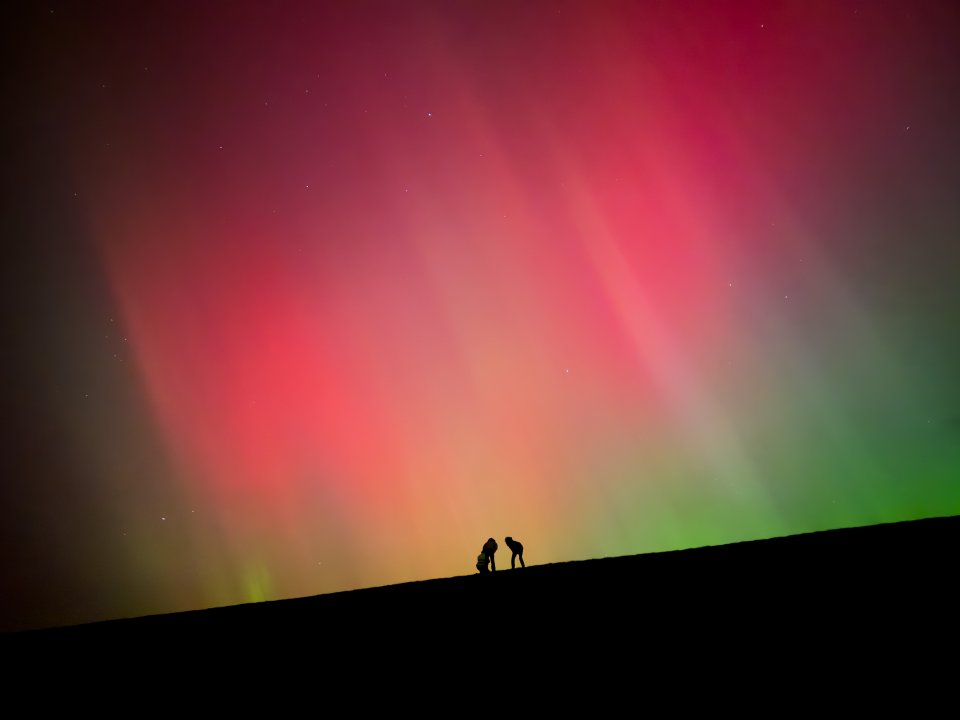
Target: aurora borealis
(305,297)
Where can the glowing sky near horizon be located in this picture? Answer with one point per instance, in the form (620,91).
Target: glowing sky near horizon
(367,283)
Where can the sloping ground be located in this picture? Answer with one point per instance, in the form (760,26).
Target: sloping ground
(854,582)
(843,620)
(854,620)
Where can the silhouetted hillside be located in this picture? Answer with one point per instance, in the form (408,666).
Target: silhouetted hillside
(853,581)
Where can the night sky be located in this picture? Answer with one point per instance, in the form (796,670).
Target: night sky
(307,296)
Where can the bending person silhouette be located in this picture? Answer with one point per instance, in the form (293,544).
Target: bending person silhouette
(490,549)
(517,549)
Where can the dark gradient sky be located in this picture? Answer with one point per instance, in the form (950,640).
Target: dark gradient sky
(300,297)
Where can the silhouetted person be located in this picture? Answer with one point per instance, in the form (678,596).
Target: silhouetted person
(490,549)
(517,549)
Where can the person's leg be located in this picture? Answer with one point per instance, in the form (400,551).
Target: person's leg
(522,563)
(513,560)
(493,563)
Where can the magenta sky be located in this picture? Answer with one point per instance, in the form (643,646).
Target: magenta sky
(359,285)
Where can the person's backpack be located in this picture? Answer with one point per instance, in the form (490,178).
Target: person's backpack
(481,559)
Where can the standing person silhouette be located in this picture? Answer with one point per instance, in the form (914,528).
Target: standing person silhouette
(517,549)
(490,549)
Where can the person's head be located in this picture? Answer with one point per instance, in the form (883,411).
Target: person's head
(508,539)
(491,540)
